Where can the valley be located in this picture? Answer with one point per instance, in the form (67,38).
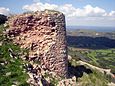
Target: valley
(96,51)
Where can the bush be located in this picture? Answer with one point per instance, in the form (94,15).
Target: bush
(3,18)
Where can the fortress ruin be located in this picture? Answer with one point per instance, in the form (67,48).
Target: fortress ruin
(44,34)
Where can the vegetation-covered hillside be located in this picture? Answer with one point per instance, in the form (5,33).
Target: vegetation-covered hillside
(98,49)
(86,76)
(95,49)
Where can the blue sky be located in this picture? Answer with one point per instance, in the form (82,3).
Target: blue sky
(77,12)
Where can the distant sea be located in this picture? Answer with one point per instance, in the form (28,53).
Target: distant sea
(94,28)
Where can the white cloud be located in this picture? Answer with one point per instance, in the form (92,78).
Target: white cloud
(40,7)
(112,13)
(88,10)
(73,14)
(4,11)
(68,9)
(94,11)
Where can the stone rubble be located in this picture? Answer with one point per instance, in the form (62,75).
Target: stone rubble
(37,75)
(68,82)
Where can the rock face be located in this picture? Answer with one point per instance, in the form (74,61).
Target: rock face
(44,34)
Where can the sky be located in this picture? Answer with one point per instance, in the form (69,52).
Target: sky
(77,12)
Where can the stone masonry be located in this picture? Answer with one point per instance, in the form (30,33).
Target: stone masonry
(44,34)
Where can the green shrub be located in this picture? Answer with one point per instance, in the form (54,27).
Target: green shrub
(11,69)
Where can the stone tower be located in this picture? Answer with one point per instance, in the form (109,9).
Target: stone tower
(44,34)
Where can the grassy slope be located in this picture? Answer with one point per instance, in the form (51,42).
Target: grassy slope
(96,78)
(104,58)
(11,70)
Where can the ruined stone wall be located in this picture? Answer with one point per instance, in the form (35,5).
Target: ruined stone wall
(44,34)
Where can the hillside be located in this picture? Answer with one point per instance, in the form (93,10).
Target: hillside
(96,48)
(91,39)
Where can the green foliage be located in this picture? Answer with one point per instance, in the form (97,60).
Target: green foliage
(104,58)
(11,69)
(54,82)
(73,54)
(1,28)
(94,79)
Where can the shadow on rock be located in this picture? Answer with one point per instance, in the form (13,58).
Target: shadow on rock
(78,70)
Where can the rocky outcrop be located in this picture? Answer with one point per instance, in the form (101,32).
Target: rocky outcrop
(44,35)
